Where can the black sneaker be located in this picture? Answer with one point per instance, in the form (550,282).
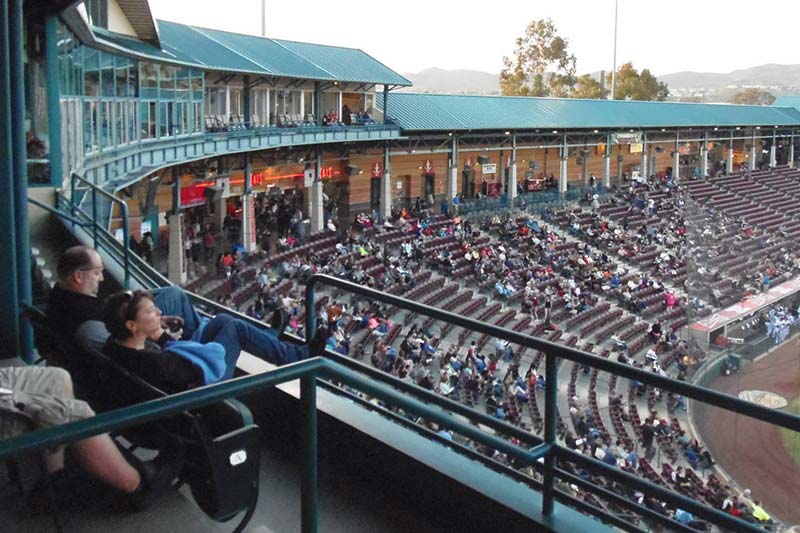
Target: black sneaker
(158,476)
(318,342)
(279,321)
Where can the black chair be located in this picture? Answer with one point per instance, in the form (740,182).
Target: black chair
(220,442)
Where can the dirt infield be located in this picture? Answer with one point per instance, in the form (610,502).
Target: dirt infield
(752,452)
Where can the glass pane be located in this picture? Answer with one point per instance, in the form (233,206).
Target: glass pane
(91,83)
(108,82)
(106,118)
(149,76)
(166,77)
(90,125)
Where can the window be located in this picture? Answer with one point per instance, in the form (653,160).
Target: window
(120,132)
(106,122)
(308,104)
(198,116)
(147,119)
(260,106)
(90,119)
(148,77)
(215,101)
(131,116)
(237,101)
(98,12)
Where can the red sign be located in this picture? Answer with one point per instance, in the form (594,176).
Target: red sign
(194,195)
(377,170)
(326,173)
(256,178)
(427,167)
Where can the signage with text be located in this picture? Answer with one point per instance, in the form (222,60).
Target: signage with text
(626,138)
(489,168)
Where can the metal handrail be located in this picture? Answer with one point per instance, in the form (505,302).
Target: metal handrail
(74,177)
(550,450)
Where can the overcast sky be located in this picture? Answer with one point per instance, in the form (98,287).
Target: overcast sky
(411,35)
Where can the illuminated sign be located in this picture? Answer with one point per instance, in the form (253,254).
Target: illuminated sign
(326,173)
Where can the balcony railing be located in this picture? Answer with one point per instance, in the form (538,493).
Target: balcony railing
(409,398)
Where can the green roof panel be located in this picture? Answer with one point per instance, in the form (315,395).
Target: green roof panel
(346,64)
(233,52)
(141,48)
(787,101)
(269,54)
(204,50)
(416,112)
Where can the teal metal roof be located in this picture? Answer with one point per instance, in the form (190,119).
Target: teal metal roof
(787,101)
(248,54)
(419,112)
(140,48)
(345,63)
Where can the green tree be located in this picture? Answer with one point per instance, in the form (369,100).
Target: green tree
(633,85)
(588,87)
(753,96)
(541,65)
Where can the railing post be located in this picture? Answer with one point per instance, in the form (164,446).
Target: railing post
(311,315)
(94,216)
(550,417)
(308,509)
(126,251)
(72,198)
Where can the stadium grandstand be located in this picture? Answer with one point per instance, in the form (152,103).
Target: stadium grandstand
(525,313)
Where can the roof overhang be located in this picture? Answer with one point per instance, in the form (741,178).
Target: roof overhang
(141,18)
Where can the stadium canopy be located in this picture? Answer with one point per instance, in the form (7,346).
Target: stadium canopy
(444,112)
(247,54)
(787,101)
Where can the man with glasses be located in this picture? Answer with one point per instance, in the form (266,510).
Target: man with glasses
(75,312)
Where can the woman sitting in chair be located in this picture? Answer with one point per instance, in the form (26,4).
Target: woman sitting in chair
(140,344)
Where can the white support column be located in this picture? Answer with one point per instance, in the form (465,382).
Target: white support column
(386,187)
(676,158)
(773,152)
(512,171)
(643,169)
(607,163)
(562,171)
(316,212)
(704,157)
(452,173)
(791,150)
(176,260)
(228,103)
(729,159)
(752,163)
(248,222)
(220,210)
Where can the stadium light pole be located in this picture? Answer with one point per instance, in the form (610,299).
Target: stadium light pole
(614,70)
(263,18)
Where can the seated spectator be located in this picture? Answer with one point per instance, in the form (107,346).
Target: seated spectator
(44,396)
(139,343)
(74,311)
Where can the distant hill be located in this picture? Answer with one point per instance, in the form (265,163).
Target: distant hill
(437,80)
(762,75)
(706,86)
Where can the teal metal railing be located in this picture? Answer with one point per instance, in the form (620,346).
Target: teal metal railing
(95,227)
(549,449)
(431,406)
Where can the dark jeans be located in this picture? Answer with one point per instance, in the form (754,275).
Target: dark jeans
(232,333)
